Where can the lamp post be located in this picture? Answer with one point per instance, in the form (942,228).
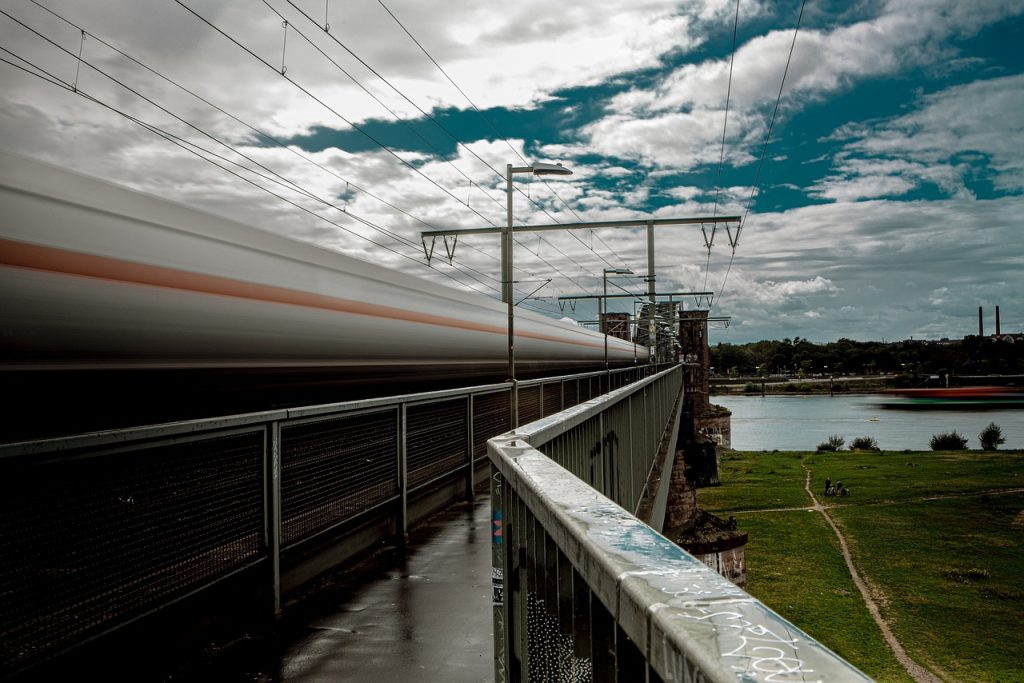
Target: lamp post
(604,310)
(506,271)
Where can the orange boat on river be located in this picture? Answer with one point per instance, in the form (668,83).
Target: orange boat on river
(956,397)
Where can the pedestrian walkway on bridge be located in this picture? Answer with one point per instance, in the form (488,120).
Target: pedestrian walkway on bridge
(423,617)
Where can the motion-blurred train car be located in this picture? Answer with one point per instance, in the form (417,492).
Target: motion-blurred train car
(121,308)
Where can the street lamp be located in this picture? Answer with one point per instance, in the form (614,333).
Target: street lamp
(506,270)
(604,311)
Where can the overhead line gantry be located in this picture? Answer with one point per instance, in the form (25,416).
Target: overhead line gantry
(649,223)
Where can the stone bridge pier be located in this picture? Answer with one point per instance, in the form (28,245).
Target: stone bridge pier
(704,429)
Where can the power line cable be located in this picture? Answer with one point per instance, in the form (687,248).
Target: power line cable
(280,180)
(398,117)
(771,125)
(258,131)
(278,143)
(764,149)
(397,91)
(356,127)
(452,81)
(187,146)
(334,111)
(45,76)
(721,154)
(285,182)
(427,115)
(490,123)
(361,61)
(728,96)
(267,136)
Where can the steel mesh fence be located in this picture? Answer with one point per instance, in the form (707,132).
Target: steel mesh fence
(552,398)
(529,404)
(89,541)
(435,440)
(334,469)
(93,536)
(570,393)
(491,416)
(585,390)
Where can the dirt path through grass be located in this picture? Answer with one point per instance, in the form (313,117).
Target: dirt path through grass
(918,672)
(902,501)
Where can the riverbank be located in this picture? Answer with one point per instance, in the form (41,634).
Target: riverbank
(810,386)
(935,536)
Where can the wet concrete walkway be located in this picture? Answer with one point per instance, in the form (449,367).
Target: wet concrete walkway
(427,618)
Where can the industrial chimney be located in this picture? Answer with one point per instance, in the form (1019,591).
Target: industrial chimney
(981,324)
(997,322)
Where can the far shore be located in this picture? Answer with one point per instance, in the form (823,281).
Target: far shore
(807,385)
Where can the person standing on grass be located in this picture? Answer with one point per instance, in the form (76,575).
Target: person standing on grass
(828,484)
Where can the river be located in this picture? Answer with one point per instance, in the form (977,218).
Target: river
(800,423)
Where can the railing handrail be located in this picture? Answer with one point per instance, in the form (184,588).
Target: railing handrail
(547,428)
(114,437)
(688,621)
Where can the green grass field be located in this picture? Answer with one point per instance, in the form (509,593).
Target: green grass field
(946,559)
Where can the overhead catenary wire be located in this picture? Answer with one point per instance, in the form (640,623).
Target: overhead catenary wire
(280,180)
(430,118)
(187,146)
(757,176)
(771,124)
(721,154)
(494,128)
(398,117)
(347,121)
(263,134)
(192,147)
(333,110)
(374,140)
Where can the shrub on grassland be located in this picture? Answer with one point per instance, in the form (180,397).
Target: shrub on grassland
(991,437)
(948,441)
(864,443)
(832,444)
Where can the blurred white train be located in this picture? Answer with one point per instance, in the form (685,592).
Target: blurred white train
(101,284)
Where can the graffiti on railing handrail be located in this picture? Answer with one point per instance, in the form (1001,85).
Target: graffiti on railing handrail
(776,658)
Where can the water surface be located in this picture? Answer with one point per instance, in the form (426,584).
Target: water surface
(802,422)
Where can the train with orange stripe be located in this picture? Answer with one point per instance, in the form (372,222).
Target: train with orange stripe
(109,292)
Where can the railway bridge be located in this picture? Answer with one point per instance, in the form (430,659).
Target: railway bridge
(117,543)
(123,549)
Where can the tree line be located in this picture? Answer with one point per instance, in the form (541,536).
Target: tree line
(970,356)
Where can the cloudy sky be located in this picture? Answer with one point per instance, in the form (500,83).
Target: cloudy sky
(889,203)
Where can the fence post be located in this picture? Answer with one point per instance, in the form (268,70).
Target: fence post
(471,471)
(272,478)
(402,526)
(633,478)
(603,454)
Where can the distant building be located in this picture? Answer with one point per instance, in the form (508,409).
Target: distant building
(615,325)
(998,336)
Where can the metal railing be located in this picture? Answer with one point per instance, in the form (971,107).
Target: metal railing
(99,530)
(584,591)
